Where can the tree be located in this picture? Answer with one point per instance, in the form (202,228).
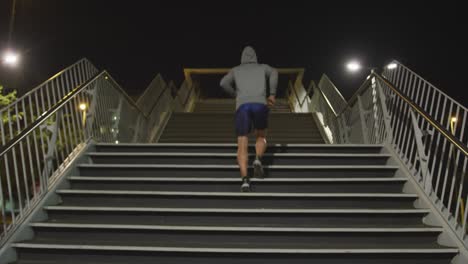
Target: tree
(6,100)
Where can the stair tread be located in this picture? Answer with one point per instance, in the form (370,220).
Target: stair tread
(235,145)
(236,180)
(196,166)
(254,250)
(238,194)
(240,228)
(207,154)
(241,210)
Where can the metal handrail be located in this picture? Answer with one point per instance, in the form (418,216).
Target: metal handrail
(443,108)
(417,108)
(438,90)
(333,102)
(426,116)
(336,89)
(118,88)
(328,101)
(23,134)
(46,115)
(42,84)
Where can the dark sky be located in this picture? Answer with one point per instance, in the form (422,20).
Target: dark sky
(134,40)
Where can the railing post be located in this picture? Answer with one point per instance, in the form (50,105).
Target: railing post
(91,111)
(365,136)
(344,129)
(116,120)
(423,158)
(51,145)
(136,130)
(375,109)
(386,115)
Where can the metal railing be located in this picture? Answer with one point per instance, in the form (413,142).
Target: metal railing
(187,96)
(380,113)
(298,97)
(22,112)
(157,105)
(33,160)
(444,109)
(333,95)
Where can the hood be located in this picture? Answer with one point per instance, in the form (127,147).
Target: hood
(248,55)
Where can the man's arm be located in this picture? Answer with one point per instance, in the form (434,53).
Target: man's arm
(272,75)
(227,83)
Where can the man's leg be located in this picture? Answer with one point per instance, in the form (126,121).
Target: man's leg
(243,154)
(260,147)
(260,124)
(261,143)
(242,160)
(243,125)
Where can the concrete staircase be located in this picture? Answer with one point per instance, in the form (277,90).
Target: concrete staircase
(180,203)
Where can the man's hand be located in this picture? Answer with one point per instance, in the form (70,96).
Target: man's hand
(271,100)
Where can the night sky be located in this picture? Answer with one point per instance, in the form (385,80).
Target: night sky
(134,40)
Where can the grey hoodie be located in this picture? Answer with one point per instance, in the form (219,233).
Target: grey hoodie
(249,80)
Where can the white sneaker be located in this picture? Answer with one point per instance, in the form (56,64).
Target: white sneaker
(245,187)
(258,169)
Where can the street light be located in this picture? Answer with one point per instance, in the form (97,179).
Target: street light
(392,66)
(10,58)
(353,66)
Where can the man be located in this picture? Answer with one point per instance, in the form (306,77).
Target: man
(248,83)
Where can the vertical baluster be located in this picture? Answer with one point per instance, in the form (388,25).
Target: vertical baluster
(42,146)
(28,144)
(465,217)
(36,149)
(15,164)
(72,108)
(7,172)
(77,101)
(443,147)
(23,168)
(68,122)
(449,158)
(408,130)
(51,97)
(460,188)
(3,216)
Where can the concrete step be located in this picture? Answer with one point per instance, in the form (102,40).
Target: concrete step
(79,253)
(231,158)
(231,171)
(232,236)
(238,217)
(232,148)
(292,185)
(236,199)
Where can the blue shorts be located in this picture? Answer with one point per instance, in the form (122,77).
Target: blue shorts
(251,115)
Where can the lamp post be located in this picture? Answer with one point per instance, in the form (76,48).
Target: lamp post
(12,21)
(11,58)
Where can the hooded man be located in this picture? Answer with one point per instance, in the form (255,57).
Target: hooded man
(249,83)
